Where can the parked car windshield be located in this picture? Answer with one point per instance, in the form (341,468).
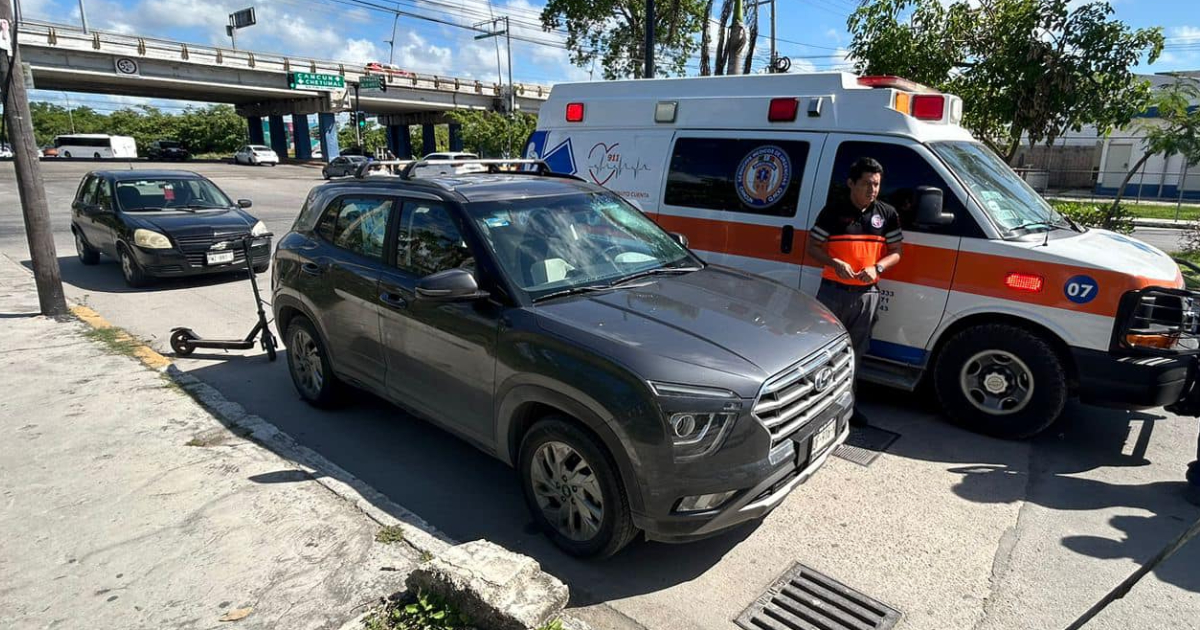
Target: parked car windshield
(158,194)
(548,245)
(1011,203)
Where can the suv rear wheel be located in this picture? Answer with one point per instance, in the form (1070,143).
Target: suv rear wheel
(308,363)
(87,255)
(572,489)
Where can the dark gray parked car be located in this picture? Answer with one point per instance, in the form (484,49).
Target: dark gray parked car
(342,166)
(556,327)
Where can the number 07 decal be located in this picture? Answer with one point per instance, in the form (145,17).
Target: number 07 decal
(1081,289)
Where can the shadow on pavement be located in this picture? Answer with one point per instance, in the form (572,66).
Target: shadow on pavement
(1086,438)
(461,491)
(105,277)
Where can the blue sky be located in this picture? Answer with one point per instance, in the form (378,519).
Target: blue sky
(811,32)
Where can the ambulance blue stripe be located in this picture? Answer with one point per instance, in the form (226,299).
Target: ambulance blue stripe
(897,352)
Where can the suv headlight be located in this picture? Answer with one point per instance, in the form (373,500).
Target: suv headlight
(150,239)
(700,417)
(259,229)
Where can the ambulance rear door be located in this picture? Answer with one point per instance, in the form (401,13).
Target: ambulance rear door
(915,292)
(742,197)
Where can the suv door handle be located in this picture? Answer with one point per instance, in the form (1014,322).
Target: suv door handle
(311,269)
(393,300)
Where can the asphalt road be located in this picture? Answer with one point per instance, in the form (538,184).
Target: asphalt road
(953,529)
(1165,239)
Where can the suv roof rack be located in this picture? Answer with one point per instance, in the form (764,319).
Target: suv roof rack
(493,167)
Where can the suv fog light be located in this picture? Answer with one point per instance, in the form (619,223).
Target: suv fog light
(704,502)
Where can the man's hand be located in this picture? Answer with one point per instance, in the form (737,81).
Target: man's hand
(868,274)
(843,269)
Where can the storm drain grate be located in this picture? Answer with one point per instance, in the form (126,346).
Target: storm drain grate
(865,444)
(803,599)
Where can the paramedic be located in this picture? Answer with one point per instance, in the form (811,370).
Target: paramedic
(857,238)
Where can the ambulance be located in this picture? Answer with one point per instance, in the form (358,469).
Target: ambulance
(1004,306)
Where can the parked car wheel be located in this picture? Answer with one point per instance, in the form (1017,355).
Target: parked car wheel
(1002,380)
(67,154)
(96,156)
(572,489)
(324,174)
(87,255)
(134,276)
(262,268)
(308,363)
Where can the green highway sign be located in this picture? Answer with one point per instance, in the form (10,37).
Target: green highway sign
(308,80)
(371,82)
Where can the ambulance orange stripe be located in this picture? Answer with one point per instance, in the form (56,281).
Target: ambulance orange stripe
(938,267)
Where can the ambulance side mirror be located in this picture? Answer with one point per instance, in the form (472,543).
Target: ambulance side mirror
(929,207)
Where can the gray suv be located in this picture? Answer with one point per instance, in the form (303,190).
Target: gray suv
(553,325)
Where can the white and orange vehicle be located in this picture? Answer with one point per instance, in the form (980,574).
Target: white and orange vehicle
(387,69)
(1006,305)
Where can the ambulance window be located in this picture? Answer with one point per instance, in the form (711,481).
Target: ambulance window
(751,176)
(903,171)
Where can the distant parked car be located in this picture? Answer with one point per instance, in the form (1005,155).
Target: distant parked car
(167,150)
(444,169)
(256,154)
(49,151)
(5,152)
(342,166)
(163,224)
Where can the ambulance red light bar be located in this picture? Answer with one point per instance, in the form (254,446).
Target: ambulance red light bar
(1027,282)
(574,112)
(891,81)
(783,109)
(929,106)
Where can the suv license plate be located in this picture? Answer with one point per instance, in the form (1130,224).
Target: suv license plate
(217,258)
(823,438)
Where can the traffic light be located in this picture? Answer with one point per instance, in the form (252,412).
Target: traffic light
(362,120)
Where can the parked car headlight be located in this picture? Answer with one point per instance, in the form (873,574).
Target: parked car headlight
(700,417)
(150,239)
(259,229)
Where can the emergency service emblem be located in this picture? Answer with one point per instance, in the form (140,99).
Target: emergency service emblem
(877,221)
(763,176)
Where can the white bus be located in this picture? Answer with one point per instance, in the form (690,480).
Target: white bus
(96,146)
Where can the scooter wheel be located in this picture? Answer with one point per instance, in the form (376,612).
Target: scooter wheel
(269,344)
(181,342)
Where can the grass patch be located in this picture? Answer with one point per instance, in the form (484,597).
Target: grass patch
(426,557)
(390,534)
(116,340)
(1191,277)
(1161,211)
(422,612)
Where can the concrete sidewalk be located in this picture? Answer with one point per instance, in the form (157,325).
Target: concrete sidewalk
(127,505)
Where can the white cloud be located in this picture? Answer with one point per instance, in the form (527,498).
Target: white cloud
(1188,34)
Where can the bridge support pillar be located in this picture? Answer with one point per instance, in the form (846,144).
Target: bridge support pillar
(327,126)
(399,141)
(278,135)
(254,123)
(456,141)
(428,139)
(300,137)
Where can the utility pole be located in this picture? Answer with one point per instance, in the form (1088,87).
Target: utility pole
(649,53)
(30,185)
(392,42)
(83,17)
(357,113)
(774,56)
(512,87)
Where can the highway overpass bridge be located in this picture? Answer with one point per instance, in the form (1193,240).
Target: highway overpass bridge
(258,84)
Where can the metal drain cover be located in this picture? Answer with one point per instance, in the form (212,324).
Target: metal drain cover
(803,599)
(865,444)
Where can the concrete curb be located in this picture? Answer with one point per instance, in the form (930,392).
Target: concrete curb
(1170,224)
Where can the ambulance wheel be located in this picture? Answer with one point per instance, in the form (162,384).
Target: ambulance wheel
(1002,380)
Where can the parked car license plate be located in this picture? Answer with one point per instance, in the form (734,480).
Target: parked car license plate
(824,437)
(216,258)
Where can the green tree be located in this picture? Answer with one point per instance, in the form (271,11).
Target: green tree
(1025,68)
(441,137)
(614,32)
(1173,127)
(491,134)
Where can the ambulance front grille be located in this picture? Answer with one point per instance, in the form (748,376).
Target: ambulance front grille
(792,398)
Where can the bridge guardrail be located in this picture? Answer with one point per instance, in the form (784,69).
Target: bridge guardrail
(59,36)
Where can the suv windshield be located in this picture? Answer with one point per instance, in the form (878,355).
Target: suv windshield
(148,195)
(551,245)
(1010,202)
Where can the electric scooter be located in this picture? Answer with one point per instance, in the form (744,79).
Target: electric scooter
(184,341)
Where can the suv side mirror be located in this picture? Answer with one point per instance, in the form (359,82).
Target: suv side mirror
(245,203)
(680,238)
(929,207)
(91,209)
(451,285)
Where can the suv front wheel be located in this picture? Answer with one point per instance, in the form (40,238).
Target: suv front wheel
(573,491)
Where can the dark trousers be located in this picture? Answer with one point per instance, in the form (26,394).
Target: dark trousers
(856,307)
